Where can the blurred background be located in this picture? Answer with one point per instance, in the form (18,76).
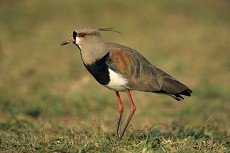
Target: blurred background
(48,84)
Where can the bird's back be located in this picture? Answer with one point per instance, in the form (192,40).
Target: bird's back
(142,75)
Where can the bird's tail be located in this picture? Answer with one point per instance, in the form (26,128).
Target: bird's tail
(178,96)
(174,88)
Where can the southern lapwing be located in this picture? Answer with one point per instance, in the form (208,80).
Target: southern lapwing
(121,68)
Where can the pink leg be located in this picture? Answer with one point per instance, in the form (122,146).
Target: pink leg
(132,111)
(121,108)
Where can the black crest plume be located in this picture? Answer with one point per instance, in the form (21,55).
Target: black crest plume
(109,29)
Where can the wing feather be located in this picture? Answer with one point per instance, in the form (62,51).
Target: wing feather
(144,76)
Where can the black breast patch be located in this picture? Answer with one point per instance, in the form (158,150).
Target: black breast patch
(100,70)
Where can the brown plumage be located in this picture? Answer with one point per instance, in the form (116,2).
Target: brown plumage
(144,76)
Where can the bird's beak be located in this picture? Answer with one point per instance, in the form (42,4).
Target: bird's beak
(71,40)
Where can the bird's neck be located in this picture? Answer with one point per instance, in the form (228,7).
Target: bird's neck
(94,51)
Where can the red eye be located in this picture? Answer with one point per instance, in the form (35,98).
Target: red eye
(81,35)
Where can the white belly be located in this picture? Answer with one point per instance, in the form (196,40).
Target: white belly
(117,81)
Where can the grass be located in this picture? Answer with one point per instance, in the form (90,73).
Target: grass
(25,136)
(49,102)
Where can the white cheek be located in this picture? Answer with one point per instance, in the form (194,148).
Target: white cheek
(78,41)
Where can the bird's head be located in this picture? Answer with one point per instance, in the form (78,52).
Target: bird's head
(86,35)
(90,43)
(83,36)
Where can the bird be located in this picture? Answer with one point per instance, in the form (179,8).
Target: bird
(122,69)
